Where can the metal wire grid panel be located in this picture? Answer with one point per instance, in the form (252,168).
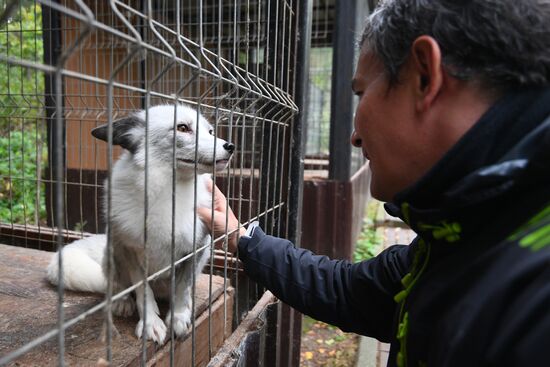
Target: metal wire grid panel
(327,151)
(320,76)
(69,66)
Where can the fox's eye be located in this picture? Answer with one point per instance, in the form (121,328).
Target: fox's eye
(211,132)
(183,128)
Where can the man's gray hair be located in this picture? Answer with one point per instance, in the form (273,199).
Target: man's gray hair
(501,43)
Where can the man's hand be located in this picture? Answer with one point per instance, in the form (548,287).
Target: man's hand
(216,220)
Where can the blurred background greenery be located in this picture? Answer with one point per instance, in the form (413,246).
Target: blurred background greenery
(23,150)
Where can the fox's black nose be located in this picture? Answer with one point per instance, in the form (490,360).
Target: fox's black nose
(229,147)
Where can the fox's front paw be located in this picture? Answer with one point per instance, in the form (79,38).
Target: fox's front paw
(154,329)
(182,322)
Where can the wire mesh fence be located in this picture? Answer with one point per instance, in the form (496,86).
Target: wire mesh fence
(318,139)
(329,106)
(319,87)
(178,90)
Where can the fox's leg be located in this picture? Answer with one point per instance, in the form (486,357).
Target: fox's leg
(149,313)
(125,306)
(183,300)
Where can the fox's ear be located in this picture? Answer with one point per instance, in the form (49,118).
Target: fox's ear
(121,132)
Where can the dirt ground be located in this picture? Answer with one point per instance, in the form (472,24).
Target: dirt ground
(326,345)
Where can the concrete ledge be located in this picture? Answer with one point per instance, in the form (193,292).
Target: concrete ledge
(372,353)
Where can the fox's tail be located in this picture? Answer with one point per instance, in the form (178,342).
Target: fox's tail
(82,269)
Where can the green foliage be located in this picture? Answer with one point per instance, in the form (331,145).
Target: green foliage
(22,126)
(320,75)
(369,242)
(19,202)
(22,89)
(320,61)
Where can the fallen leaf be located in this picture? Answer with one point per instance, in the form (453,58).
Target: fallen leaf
(329,342)
(331,353)
(308,355)
(322,350)
(320,341)
(340,338)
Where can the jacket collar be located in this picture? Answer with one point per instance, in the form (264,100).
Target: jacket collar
(504,156)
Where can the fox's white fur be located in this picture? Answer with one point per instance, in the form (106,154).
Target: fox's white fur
(84,263)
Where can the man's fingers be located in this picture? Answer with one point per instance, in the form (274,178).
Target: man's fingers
(205,214)
(219,197)
(209,184)
(217,192)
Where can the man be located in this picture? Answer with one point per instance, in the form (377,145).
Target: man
(454,116)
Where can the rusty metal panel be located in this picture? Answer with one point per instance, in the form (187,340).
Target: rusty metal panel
(333,213)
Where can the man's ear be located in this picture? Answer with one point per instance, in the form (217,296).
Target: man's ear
(428,70)
(121,132)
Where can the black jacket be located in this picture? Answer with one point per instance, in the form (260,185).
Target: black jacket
(473,289)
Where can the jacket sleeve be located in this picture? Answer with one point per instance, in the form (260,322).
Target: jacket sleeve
(355,297)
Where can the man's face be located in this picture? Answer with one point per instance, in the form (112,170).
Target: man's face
(385,128)
(406,128)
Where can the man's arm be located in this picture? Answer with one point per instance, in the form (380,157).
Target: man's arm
(355,297)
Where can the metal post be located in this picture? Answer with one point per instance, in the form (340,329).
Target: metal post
(341,110)
(52,45)
(304,13)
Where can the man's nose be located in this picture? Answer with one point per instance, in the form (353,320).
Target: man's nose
(229,147)
(355,139)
